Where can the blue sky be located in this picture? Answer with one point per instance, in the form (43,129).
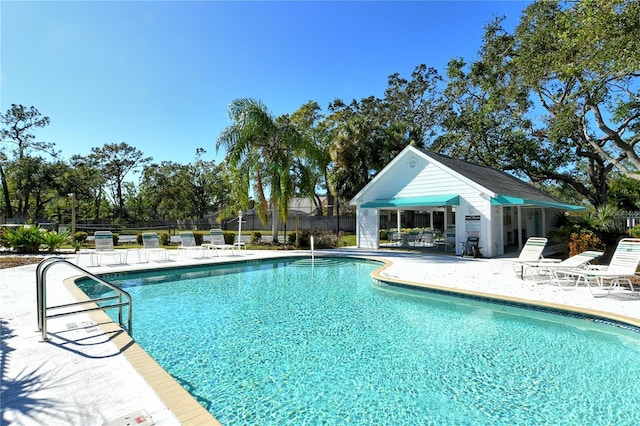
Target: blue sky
(159,75)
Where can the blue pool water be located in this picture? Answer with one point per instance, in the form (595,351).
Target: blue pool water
(280,342)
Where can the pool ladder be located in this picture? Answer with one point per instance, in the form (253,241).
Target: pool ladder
(122,298)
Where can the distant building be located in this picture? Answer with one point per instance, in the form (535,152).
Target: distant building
(306,206)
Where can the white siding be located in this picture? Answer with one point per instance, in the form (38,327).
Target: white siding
(497,236)
(368,226)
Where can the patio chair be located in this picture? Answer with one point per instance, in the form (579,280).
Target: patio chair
(547,267)
(471,248)
(218,242)
(394,237)
(622,267)
(450,241)
(530,253)
(425,239)
(151,245)
(104,248)
(188,244)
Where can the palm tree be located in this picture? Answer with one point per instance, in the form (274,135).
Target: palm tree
(261,153)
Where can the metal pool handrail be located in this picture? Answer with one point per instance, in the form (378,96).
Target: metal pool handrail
(123,298)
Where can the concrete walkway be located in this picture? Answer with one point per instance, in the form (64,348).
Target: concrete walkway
(90,373)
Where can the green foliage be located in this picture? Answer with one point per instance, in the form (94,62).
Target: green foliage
(164,238)
(29,175)
(576,61)
(115,161)
(29,239)
(52,241)
(181,191)
(229,237)
(604,218)
(325,240)
(256,237)
(321,239)
(596,230)
(635,231)
(261,153)
(299,239)
(198,237)
(24,239)
(116,239)
(384,235)
(80,237)
(624,192)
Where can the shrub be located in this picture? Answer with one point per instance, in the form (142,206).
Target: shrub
(229,237)
(321,239)
(300,239)
(583,241)
(24,239)
(384,235)
(80,237)
(165,238)
(52,241)
(256,237)
(635,231)
(198,237)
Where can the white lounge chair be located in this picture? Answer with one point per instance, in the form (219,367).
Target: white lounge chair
(530,253)
(622,267)
(218,242)
(547,267)
(151,245)
(188,244)
(104,248)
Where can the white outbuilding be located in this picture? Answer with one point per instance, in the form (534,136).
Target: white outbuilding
(454,200)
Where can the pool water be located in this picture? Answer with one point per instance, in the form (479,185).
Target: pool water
(284,342)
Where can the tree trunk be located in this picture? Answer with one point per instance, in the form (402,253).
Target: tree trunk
(274,223)
(96,207)
(318,205)
(330,204)
(7,196)
(120,201)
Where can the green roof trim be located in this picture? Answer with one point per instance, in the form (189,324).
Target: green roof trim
(505,200)
(433,200)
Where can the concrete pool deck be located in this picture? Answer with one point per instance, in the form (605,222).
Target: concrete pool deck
(92,373)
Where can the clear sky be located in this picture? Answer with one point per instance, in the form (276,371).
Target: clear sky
(159,75)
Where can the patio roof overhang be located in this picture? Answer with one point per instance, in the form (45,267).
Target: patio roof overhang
(505,200)
(427,201)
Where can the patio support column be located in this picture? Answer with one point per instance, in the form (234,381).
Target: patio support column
(519,236)
(447,213)
(398,219)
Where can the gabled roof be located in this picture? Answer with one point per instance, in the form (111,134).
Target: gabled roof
(503,188)
(496,181)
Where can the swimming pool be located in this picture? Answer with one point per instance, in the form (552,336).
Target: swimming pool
(281,342)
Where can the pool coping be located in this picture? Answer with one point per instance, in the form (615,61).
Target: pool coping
(553,308)
(190,412)
(182,404)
